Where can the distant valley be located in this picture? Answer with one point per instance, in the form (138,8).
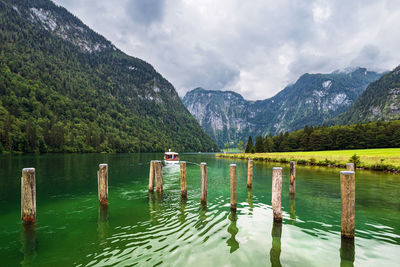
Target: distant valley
(314,99)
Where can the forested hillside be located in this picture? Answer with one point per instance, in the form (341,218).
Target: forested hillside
(64,88)
(380,101)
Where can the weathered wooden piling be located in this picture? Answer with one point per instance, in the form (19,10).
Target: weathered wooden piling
(292,185)
(203,174)
(158,171)
(347,188)
(277,193)
(151,176)
(350,167)
(102,182)
(233,187)
(183,179)
(28,195)
(250,173)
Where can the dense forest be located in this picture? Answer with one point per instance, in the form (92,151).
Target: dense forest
(64,88)
(370,135)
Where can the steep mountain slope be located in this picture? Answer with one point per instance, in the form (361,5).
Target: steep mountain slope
(313,100)
(316,98)
(380,101)
(64,87)
(225,115)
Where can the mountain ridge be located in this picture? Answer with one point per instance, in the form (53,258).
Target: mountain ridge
(312,99)
(380,101)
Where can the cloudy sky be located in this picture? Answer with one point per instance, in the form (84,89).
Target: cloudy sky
(252,47)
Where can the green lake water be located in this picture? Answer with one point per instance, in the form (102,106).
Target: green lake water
(148,230)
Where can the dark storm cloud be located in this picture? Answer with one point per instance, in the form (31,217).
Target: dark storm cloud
(253,47)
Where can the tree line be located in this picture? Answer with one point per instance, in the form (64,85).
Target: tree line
(378,134)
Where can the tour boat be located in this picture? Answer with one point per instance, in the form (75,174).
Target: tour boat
(171,157)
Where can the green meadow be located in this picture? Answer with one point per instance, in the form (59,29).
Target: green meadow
(387,159)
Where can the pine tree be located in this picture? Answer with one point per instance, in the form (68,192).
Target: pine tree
(259,147)
(249,145)
(268,144)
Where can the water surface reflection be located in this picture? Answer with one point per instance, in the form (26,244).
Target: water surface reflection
(347,252)
(233,230)
(275,252)
(29,243)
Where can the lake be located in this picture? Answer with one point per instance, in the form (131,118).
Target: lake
(149,230)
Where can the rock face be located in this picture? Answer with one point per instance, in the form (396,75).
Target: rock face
(225,115)
(380,101)
(63,87)
(313,100)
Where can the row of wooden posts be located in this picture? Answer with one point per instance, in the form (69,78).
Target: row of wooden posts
(347,185)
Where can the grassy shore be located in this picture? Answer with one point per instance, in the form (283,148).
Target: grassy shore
(385,159)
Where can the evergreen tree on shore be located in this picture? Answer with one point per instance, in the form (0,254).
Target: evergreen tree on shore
(249,145)
(259,146)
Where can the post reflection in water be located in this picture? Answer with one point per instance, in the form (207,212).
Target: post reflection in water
(102,224)
(347,253)
(151,205)
(159,196)
(202,217)
(275,253)
(233,230)
(183,213)
(250,200)
(29,243)
(292,205)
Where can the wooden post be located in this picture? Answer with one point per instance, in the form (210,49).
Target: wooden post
(250,173)
(203,173)
(350,167)
(28,195)
(159,175)
(277,193)
(347,188)
(102,182)
(292,185)
(183,179)
(233,187)
(151,176)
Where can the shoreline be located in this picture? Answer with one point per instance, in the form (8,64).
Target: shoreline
(314,159)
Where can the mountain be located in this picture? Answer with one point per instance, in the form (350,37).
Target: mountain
(225,115)
(65,88)
(313,100)
(380,101)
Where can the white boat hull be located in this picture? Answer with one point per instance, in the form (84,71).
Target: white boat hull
(171,161)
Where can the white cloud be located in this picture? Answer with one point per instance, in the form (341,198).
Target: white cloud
(321,12)
(252,47)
